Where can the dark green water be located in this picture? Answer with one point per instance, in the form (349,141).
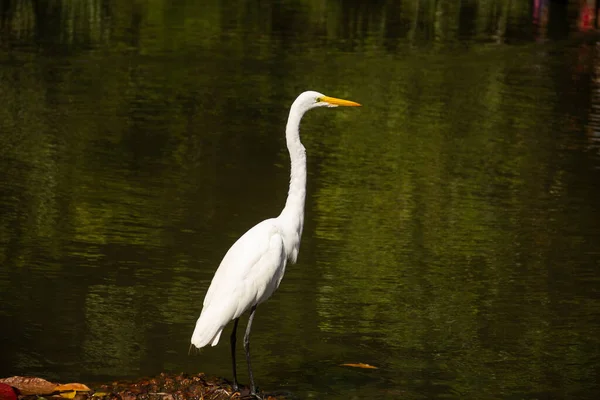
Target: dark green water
(452,223)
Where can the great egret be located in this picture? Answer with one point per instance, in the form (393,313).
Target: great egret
(253,267)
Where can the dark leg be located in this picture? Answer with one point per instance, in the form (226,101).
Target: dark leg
(247,348)
(233,339)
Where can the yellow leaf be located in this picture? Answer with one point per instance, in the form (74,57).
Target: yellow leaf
(80,387)
(359,365)
(68,395)
(99,394)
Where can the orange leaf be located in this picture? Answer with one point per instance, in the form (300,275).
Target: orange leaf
(80,387)
(359,365)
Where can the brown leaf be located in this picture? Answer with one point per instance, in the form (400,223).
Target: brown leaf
(30,385)
(359,365)
(80,387)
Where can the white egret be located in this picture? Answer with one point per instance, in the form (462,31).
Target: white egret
(253,267)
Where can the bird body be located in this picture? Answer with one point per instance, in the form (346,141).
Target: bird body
(253,267)
(250,272)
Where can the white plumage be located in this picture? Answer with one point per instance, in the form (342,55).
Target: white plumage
(248,275)
(253,267)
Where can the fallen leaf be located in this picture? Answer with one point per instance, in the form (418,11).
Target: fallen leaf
(80,387)
(30,385)
(359,365)
(68,395)
(7,392)
(100,394)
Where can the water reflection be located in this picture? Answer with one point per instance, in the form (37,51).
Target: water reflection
(167,26)
(451,224)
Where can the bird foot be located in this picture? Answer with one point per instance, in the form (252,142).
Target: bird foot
(244,394)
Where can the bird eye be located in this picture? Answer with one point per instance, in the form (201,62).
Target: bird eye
(318,100)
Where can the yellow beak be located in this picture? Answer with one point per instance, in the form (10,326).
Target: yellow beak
(339,102)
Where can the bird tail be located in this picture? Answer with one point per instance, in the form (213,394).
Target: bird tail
(206,332)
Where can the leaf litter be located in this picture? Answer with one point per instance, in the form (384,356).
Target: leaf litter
(162,387)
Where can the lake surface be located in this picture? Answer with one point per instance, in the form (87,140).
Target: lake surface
(452,233)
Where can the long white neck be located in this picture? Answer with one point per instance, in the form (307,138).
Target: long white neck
(292,216)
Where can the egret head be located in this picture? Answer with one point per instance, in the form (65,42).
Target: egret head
(311,99)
